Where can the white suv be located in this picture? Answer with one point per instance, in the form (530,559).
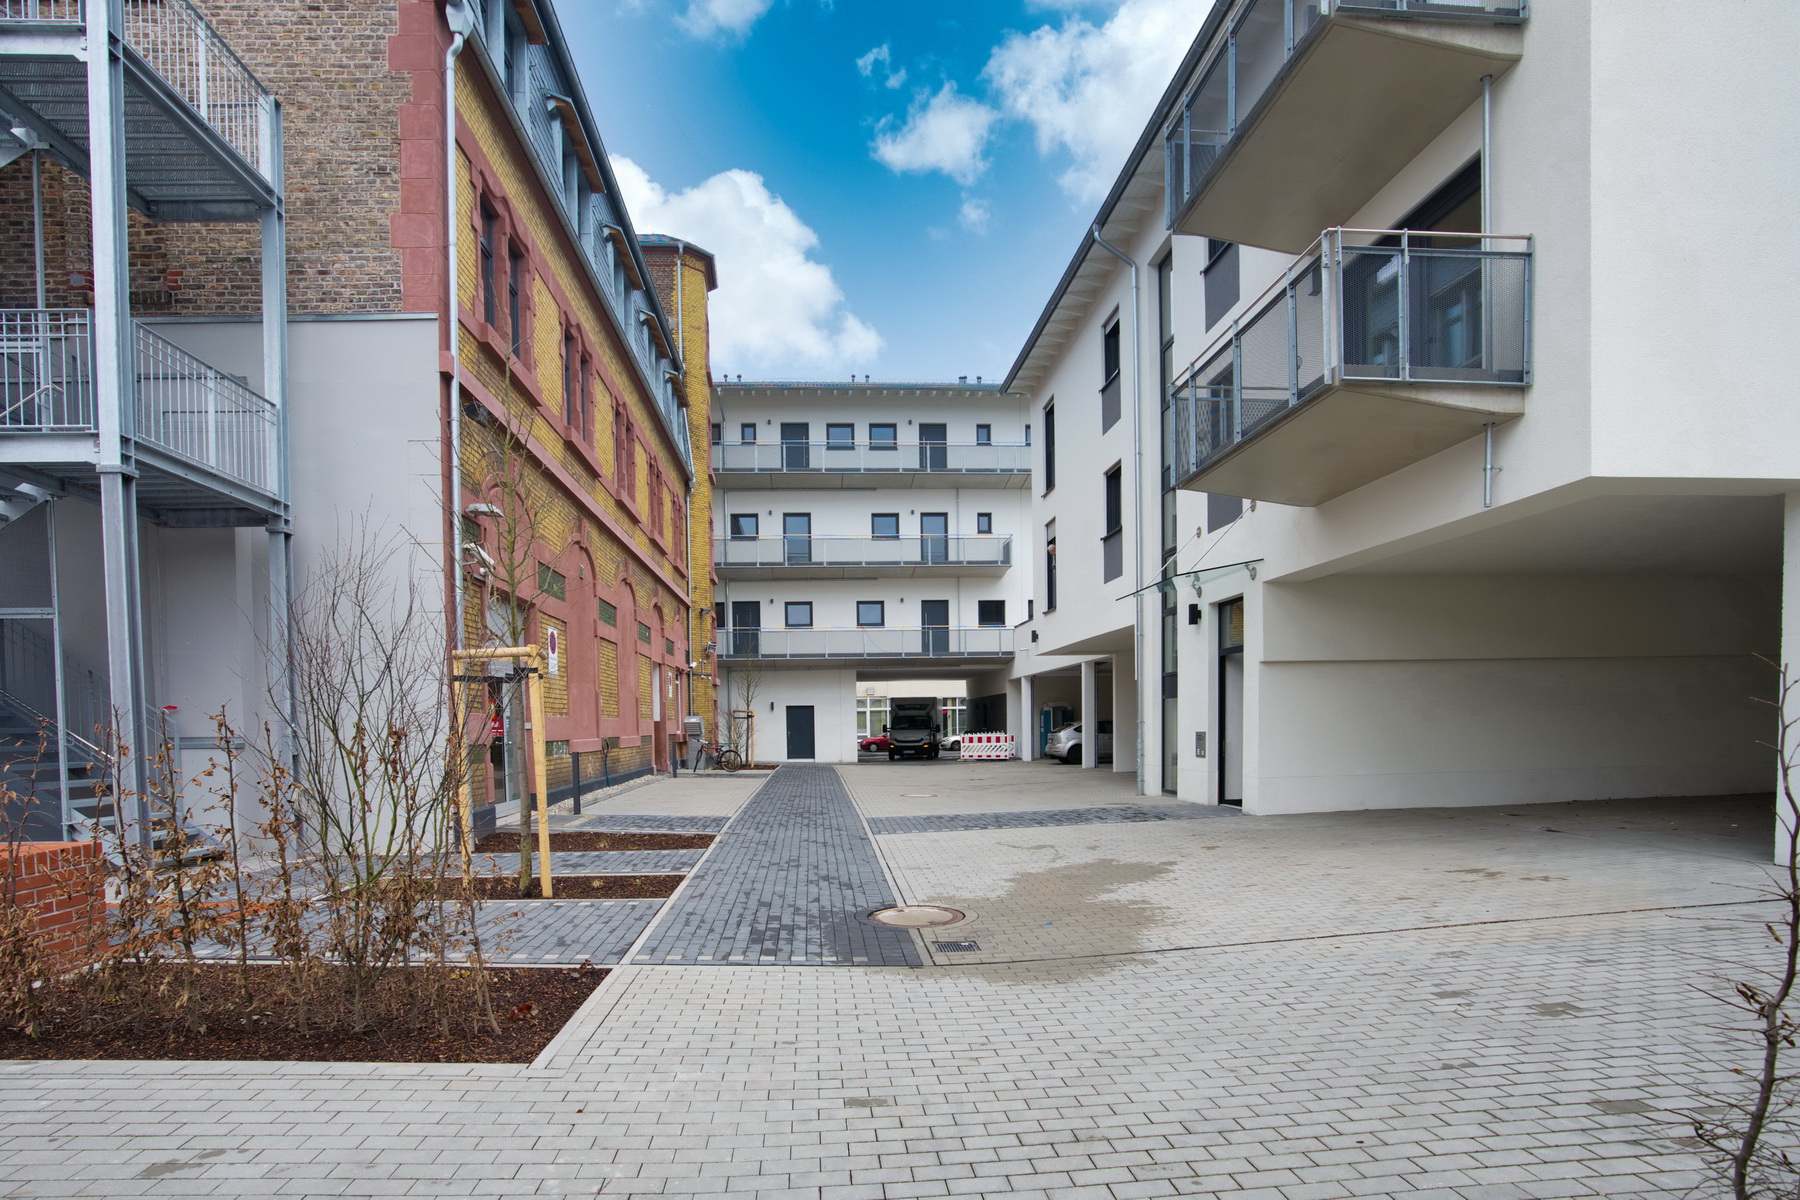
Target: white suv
(1065,743)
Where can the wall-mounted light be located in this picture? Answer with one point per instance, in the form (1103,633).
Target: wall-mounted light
(482,510)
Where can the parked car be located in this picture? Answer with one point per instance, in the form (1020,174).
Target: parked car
(1066,743)
(876,743)
(951,743)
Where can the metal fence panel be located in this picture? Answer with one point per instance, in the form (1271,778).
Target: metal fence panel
(46,370)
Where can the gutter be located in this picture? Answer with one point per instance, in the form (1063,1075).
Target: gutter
(460,18)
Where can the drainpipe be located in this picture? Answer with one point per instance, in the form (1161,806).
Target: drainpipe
(460,17)
(1137,493)
(37,221)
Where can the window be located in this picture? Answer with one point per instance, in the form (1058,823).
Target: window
(669,646)
(515,282)
(799,614)
(984,522)
(984,435)
(990,612)
(490,291)
(643,633)
(1221,280)
(571,385)
(718,433)
(840,437)
(1109,376)
(747,433)
(551,582)
(884,437)
(609,613)
(1050,566)
(871,612)
(1049,448)
(884,525)
(743,526)
(1112,541)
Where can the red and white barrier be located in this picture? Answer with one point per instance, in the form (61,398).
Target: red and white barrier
(989,745)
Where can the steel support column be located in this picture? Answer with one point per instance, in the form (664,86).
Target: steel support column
(1090,714)
(116,402)
(274,387)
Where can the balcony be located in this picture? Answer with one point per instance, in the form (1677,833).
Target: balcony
(977,646)
(1302,110)
(812,557)
(1372,354)
(200,132)
(852,464)
(205,444)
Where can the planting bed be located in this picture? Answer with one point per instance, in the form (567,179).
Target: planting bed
(507,841)
(531,1004)
(584,887)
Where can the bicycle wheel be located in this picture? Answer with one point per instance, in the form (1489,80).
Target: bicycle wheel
(730,760)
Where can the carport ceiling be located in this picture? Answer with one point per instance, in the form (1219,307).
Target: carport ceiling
(1709,535)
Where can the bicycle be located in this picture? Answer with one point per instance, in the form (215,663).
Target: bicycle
(723,756)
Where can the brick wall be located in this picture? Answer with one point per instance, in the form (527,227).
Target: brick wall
(64,882)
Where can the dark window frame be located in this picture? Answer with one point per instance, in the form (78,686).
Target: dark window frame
(890,442)
(787,614)
(884,537)
(1049,448)
(747,433)
(833,442)
(515,313)
(984,435)
(490,283)
(994,609)
(984,522)
(880,608)
(735,523)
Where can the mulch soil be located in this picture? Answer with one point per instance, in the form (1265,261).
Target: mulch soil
(584,887)
(503,842)
(532,1005)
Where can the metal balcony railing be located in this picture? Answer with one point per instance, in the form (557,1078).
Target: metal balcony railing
(797,551)
(985,641)
(203,414)
(46,370)
(951,458)
(1252,46)
(180,45)
(1390,306)
(28,683)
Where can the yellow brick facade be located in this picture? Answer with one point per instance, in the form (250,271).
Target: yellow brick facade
(579,511)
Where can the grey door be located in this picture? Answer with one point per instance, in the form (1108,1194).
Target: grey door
(933,456)
(746,626)
(934,537)
(796,455)
(796,537)
(934,617)
(800,731)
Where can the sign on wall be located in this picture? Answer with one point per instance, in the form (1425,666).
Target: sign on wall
(553,650)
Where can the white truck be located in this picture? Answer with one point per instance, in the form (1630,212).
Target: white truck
(915,727)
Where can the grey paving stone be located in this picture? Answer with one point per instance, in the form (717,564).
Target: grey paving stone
(567,931)
(786,884)
(644,823)
(1114,815)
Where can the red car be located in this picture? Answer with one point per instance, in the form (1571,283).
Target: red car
(874,743)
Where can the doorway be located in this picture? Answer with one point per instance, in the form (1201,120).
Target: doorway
(800,731)
(934,538)
(796,538)
(1231,702)
(934,454)
(796,454)
(746,627)
(934,619)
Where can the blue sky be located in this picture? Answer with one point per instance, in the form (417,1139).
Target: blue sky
(891,188)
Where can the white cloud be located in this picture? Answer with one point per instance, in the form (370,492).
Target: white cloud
(881,57)
(775,304)
(974,216)
(704,18)
(1087,89)
(944,132)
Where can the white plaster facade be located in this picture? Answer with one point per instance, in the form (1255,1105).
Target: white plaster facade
(1587,628)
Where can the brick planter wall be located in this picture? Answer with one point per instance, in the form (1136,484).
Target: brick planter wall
(65,883)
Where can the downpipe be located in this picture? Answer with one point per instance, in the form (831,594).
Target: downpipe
(1137,493)
(460,17)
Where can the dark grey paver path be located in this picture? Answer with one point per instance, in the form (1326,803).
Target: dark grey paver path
(566,931)
(1117,814)
(786,883)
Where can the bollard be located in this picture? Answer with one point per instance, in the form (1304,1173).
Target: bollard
(575,755)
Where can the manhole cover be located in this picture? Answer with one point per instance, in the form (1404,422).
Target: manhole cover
(917,916)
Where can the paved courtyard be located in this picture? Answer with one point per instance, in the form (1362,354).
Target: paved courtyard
(1147,999)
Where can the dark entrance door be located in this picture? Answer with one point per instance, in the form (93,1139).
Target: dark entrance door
(800,731)
(934,537)
(796,535)
(796,455)
(746,624)
(1231,702)
(934,616)
(933,456)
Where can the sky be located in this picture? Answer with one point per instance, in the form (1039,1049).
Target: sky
(891,187)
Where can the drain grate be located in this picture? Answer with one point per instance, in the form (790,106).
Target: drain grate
(954,947)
